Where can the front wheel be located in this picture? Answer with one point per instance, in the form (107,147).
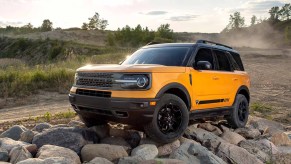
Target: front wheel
(240,113)
(170,120)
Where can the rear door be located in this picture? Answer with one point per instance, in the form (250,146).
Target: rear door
(209,86)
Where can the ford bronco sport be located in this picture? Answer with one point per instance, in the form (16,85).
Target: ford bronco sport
(162,86)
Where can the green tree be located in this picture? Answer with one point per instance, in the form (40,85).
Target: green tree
(96,23)
(254,20)
(165,32)
(47,25)
(103,24)
(285,12)
(84,26)
(236,21)
(274,13)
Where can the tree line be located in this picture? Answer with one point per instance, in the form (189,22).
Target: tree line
(277,14)
(137,36)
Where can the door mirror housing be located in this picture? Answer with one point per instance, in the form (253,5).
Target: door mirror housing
(203,65)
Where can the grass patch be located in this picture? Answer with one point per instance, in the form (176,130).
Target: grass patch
(25,81)
(262,108)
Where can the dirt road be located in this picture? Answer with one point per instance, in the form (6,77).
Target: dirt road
(270,72)
(35,105)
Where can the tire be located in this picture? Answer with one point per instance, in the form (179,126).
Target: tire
(170,119)
(89,122)
(240,113)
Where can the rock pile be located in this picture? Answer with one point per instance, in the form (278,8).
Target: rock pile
(262,141)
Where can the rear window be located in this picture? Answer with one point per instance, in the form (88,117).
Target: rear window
(168,56)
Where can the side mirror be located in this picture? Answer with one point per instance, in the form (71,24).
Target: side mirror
(203,65)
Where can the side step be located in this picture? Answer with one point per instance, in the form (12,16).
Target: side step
(209,113)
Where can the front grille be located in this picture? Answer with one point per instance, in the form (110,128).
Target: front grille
(93,93)
(98,80)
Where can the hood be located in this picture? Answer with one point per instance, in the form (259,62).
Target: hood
(131,68)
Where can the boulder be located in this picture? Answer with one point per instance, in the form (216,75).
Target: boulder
(119,133)
(145,152)
(281,139)
(110,152)
(130,160)
(263,124)
(266,146)
(4,156)
(116,141)
(102,131)
(232,137)
(228,152)
(167,149)
(248,133)
(284,149)
(99,160)
(18,154)
(134,138)
(75,123)
(48,151)
(41,126)
(195,153)
(8,143)
(254,149)
(184,140)
(51,160)
(281,159)
(69,137)
(14,132)
(211,128)
(27,136)
(32,148)
(144,141)
(163,161)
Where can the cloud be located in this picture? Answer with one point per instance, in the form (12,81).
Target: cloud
(259,6)
(183,18)
(155,13)
(10,23)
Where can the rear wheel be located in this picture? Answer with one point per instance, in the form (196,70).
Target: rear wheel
(171,118)
(240,113)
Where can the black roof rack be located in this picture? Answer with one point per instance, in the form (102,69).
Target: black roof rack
(151,43)
(210,42)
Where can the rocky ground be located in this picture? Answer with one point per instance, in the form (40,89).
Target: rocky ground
(262,141)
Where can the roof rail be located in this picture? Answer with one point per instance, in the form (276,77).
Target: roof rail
(151,43)
(210,42)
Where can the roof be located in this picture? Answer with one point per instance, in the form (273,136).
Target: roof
(211,45)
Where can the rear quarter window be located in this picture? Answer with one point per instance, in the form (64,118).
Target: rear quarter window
(237,60)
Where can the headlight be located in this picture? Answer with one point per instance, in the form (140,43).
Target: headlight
(134,81)
(75,78)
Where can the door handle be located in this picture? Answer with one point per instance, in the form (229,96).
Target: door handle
(215,78)
(235,79)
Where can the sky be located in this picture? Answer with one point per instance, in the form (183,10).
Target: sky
(205,16)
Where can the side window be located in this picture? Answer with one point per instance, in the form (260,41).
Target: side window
(234,64)
(204,54)
(237,59)
(223,62)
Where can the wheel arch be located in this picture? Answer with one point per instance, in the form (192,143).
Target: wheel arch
(178,90)
(244,90)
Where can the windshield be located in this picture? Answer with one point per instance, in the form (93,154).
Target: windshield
(168,56)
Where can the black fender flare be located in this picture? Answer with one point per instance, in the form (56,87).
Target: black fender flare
(175,86)
(245,88)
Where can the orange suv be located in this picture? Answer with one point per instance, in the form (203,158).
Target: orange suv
(162,86)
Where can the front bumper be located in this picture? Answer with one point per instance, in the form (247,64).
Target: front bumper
(121,110)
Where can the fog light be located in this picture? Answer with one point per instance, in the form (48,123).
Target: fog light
(153,103)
